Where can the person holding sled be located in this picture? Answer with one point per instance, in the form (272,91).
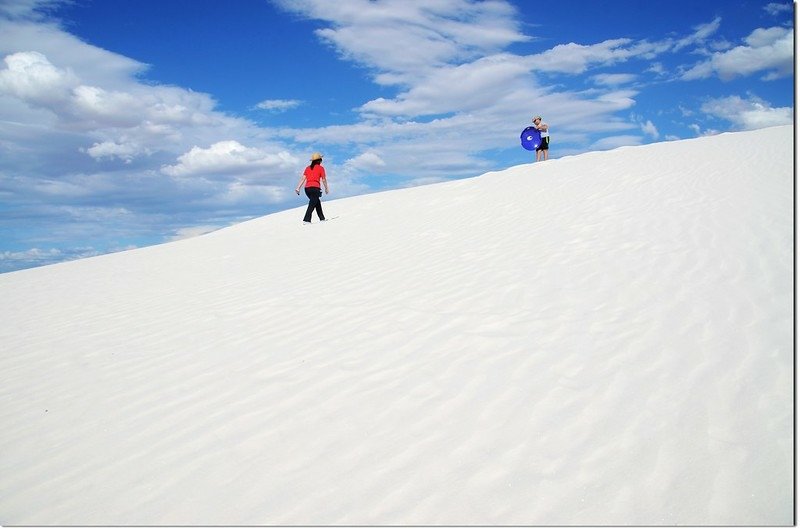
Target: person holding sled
(314,179)
(545,145)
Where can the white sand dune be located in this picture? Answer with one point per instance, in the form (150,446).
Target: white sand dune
(598,339)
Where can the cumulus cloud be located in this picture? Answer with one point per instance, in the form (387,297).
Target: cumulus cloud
(575,58)
(748,114)
(236,194)
(29,76)
(110,150)
(94,66)
(367,161)
(137,109)
(769,50)
(229,157)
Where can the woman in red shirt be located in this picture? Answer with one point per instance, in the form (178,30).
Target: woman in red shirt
(314,178)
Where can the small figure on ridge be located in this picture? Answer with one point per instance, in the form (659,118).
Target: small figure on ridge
(314,178)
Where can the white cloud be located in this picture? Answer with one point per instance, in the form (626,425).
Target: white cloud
(613,79)
(449,89)
(228,157)
(770,50)
(98,107)
(407,37)
(237,194)
(748,114)
(368,161)
(26,9)
(29,76)
(94,66)
(278,105)
(110,150)
(657,68)
(575,58)
(650,129)
(775,8)
(34,254)
(701,33)
(134,109)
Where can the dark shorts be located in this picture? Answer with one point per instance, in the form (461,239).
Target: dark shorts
(545,144)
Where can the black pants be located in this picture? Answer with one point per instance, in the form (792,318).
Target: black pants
(314,203)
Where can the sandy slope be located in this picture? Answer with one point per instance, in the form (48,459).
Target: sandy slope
(598,339)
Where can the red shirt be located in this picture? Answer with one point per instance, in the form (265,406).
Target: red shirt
(313,176)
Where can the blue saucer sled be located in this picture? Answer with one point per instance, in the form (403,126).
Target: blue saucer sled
(530,138)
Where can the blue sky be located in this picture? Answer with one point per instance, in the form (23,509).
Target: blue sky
(130,123)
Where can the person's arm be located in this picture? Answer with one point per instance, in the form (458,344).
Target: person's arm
(323,178)
(302,179)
